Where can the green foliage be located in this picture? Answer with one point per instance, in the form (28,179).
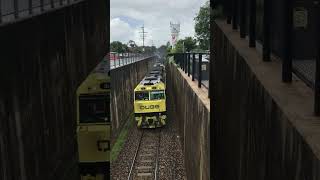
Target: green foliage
(117,46)
(118,145)
(178,47)
(189,44)
(202,24)
(185,45)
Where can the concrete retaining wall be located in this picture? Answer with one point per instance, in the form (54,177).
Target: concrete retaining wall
(123,81)
(263,129)
(193,116)
(42,62)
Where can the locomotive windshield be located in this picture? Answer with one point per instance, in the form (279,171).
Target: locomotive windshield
(156,95)
(142,96)
(94,109)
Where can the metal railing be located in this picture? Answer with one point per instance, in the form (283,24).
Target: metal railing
(308,70)
(11,10)
(121,59)
(195,65)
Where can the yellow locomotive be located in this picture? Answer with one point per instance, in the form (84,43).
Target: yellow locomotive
(150,100)
(93,124)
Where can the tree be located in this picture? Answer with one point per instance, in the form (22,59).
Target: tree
(179,46)
(189,44)
(202,26)
(169,47)
(117,46)
(185,45)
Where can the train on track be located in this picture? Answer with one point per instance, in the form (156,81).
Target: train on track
(150,99)
(93,124)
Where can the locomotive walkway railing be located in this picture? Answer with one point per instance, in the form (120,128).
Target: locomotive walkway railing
(121,59)
(195,64)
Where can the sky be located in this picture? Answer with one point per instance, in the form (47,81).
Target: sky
(128,16)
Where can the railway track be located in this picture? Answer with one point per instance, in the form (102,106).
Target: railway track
(145,162)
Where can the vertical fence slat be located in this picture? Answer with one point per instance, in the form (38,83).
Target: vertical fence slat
(193,65)
(266,30)
(287,59)
(252,24)
(243,17)
(228,10)
(317,74)
(41,5)
(235,14)
(0,12)
(52,3)
(200,70)
(188,64)
(30,7)
(16,9)
(185,62)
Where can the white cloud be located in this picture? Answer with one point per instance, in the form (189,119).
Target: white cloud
(120,30)
(156,16)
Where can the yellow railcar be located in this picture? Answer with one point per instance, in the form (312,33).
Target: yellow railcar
(93,126)
(150,102)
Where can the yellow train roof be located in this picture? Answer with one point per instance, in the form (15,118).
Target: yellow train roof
(150,87)
(96,82)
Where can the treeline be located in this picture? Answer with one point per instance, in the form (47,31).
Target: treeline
(119,47)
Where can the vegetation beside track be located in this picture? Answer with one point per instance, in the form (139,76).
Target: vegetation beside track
(118,145)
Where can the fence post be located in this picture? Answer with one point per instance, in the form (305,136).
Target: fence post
(252,24)
(181,59)
(128,56)
(228,7)
(200,70)
(0,14)
(52,3)
(287,59)
(184,61)
(317,82)
(16,10)
(188,65)
(266,30)
(243,4)
(235,14)
(30,6)
(41,5)
(317,78)
(193,65)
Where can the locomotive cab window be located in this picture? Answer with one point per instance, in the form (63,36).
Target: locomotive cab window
(94,109)
(142,96)
(156,95)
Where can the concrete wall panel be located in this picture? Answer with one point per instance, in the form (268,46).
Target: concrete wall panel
(193,117)
(263,129)
(43,61)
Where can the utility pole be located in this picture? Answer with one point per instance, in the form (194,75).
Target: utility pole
(143,33)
